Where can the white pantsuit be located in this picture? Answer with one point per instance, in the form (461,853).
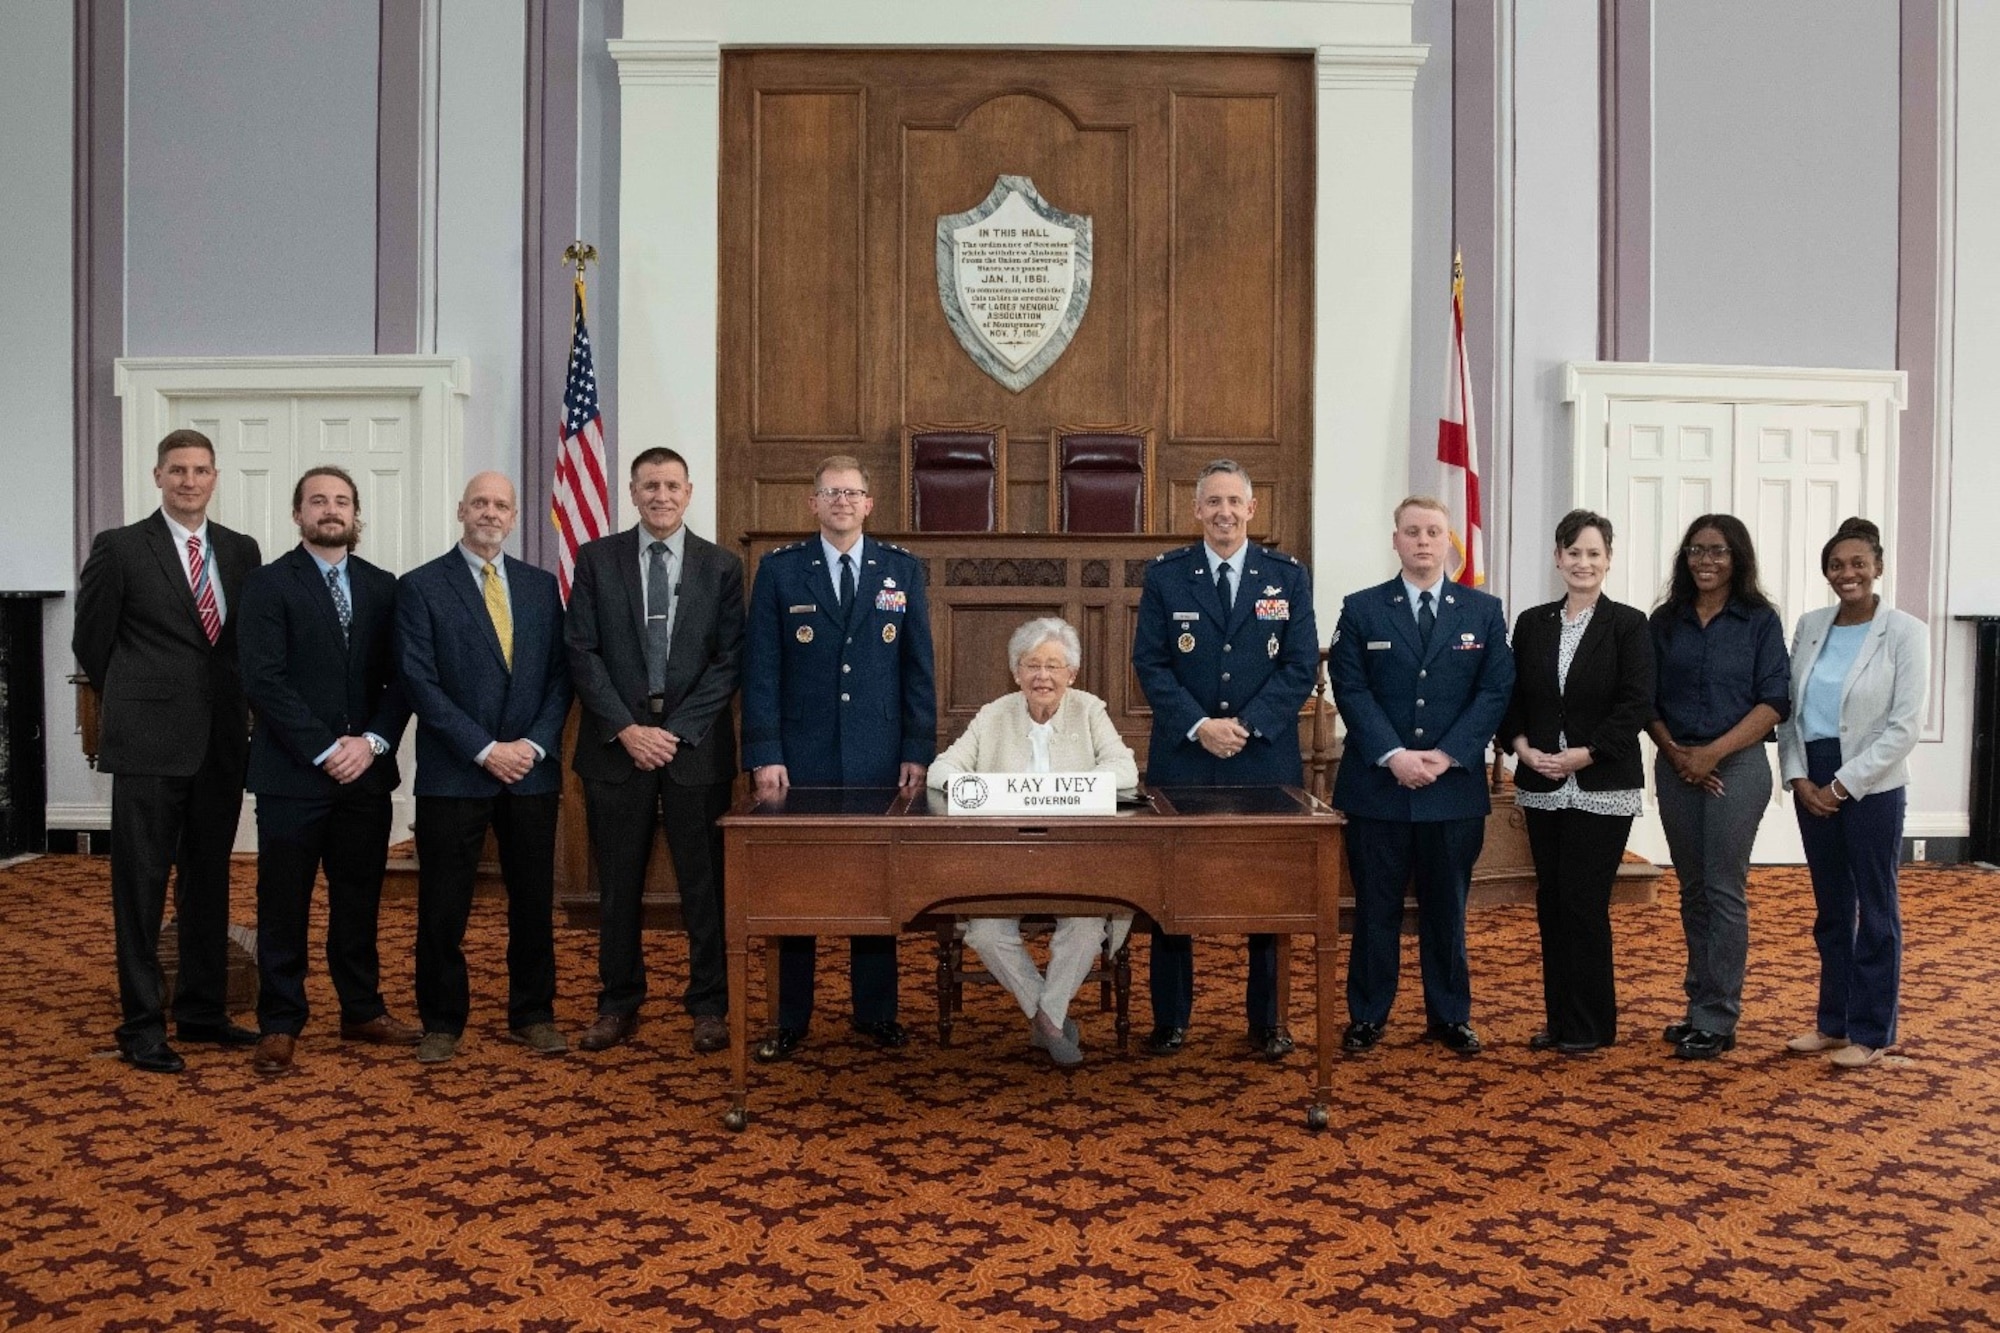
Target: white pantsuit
(1003,738)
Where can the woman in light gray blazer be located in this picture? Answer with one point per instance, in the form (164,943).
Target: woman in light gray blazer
(1045,727)
(1859,671)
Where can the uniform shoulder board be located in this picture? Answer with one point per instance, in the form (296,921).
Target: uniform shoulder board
(899,550)
(788,546)
(1280,555)
(1178,553)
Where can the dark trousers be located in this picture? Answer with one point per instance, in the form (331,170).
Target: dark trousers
(450,832)
(1853,855)
(1576,861)
(1382,857)
(1171,975)
(182,826)
(622,816)
(347,832)
(871,972)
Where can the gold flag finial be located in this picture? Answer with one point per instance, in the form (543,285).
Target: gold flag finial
(579,253)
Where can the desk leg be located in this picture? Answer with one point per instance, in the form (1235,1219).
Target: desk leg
(1323,959)
(738,1114)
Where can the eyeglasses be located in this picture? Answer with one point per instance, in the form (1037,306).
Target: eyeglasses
(1712,554)
(840,493)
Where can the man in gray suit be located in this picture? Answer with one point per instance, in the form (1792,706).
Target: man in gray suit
(156,635)
(655,632)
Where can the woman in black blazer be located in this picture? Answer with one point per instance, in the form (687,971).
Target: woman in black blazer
(1583,690)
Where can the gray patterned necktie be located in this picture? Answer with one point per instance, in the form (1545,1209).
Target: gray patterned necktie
(341,606)
(659,619)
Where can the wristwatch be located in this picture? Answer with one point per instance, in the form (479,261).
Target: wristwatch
(378,745)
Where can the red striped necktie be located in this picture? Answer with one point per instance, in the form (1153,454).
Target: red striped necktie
(204,591)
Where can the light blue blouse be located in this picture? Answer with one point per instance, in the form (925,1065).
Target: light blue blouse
(1820,711)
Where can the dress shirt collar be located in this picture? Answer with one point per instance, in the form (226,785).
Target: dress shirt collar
(676,543)
(1235,562)
(324,567)
(1415,594)
(478,562)
(182,534)
(833,554)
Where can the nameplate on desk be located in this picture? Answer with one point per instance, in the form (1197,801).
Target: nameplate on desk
(1035,794)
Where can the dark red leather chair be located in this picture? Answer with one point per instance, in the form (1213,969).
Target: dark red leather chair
(954,477)
(1101,479)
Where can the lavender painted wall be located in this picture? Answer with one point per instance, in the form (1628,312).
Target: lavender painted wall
(1432,241)
(1775,179)
(250,207)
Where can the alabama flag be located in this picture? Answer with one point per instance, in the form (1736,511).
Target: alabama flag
(1458,447)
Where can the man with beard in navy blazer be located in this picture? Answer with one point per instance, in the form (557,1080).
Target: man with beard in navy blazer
(1227,651)
(1421,673)
(480,648)
(316,636)
(155,633)
(838,691)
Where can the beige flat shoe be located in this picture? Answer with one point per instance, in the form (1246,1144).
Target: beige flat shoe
(1812,1043)
(1854,1056)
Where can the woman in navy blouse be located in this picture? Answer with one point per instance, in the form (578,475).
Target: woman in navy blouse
(1723,684)
(1859,671)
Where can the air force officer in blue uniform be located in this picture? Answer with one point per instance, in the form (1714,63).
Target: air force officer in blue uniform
(1421,673)
(838,691)
(1227,653)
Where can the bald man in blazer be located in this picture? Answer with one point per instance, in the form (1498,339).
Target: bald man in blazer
(156,635)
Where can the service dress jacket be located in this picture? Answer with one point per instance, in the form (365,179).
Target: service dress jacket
(1255,662)
(605,629)
(841,696)
(1394,693)
(1881,702)
(310,684)
(1083,740)
(161,684)
(1604,705)
(459,684)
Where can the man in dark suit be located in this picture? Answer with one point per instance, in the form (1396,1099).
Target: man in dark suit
(1421,673)
(480,650)
(156,635)
(838,691)
(316,635)
(1227,652)
(655,630)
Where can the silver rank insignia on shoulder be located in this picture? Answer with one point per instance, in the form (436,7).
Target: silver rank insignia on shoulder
(1186,643)
(1272,646)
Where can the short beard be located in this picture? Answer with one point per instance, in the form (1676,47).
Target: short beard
(310,536)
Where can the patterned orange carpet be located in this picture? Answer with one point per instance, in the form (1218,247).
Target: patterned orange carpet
(976,1188)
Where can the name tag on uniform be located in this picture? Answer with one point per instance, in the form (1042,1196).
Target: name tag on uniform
(1273,608)
(1035,794)
(1379,645)
(886,600)
(1187,615)
(799,610)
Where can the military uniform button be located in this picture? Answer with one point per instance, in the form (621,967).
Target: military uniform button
(1225,675)
(843,699)
(1420,703)
(1228,647)
(1423,675)
(1420,730)
(845,668)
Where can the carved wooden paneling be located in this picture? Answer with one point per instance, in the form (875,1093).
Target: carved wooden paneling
(1197,172)
(1226,248)
(809,322)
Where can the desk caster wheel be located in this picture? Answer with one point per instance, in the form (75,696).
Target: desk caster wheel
(1315,1117)
(736,1118)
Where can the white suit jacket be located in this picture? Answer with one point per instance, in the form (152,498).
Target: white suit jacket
(1881,701)
(997,742)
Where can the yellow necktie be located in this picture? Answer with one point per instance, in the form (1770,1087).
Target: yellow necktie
(496,607)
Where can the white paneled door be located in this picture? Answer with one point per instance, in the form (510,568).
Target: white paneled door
(1790,452)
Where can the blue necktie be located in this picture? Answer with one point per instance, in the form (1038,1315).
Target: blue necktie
(341,606)
(1426,620)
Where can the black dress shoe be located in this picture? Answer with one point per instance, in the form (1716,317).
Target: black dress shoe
(218,1034)
(155,1057)
(1700,1044)
(888,1034)
(1166,1041)
(780,1045)
(1272,1043)
(1360,1036)
(1676,1033)
(1455,1037)
(1580,1047)
(1542,1041)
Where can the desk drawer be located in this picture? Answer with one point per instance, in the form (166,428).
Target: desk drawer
(1130,869)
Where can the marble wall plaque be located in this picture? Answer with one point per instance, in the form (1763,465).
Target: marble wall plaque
(1014,279)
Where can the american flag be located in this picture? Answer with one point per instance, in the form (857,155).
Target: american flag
(581,504)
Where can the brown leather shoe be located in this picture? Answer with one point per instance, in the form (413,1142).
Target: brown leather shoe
(711,1033)
(609,1030)
(381,1030)
(274,1053)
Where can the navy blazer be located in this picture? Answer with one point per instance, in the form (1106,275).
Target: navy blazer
(1391,693)
(605,628)
(308,683)
(458,683)
(842,696)
(1255,662)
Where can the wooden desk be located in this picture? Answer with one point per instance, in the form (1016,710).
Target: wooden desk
(869,861)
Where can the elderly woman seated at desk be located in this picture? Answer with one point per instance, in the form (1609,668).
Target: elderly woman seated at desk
(1046,727)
